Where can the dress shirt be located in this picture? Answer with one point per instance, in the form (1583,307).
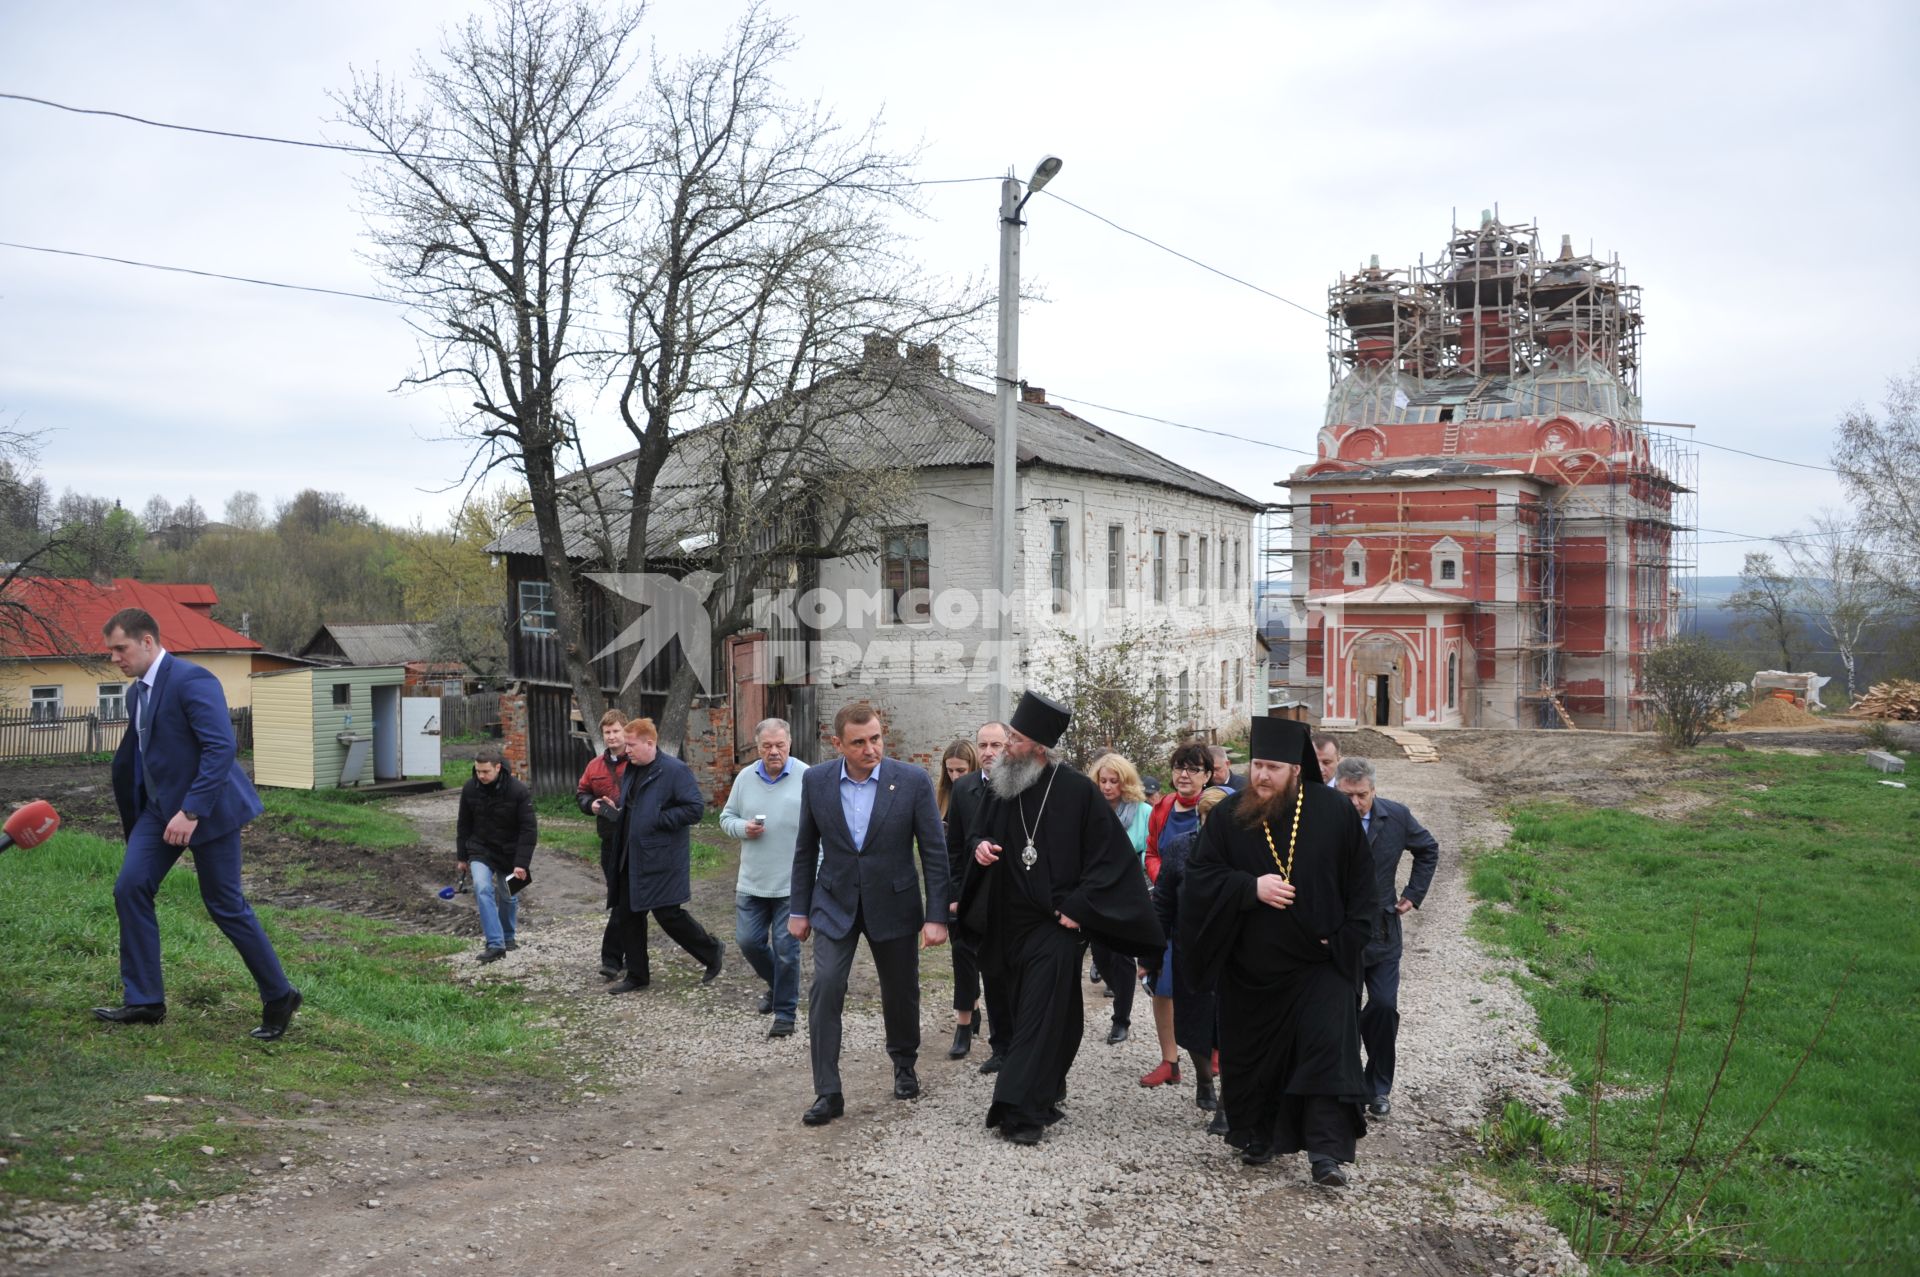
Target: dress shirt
(856,801)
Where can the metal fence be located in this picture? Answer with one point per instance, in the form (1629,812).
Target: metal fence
(77,735)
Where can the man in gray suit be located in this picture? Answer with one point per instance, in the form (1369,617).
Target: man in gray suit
(1392,832)
(853,875)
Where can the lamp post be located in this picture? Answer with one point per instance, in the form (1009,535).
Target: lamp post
(1006,440)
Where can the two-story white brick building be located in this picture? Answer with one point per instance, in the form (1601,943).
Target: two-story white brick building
(1115,541)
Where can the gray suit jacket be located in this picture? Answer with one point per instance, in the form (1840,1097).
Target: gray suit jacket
(835,882)
(1392,834)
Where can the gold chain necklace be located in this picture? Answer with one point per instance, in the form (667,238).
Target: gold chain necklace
(1293,839)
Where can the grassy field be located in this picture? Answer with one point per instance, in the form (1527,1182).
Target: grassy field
(128,1112)
(1599,904)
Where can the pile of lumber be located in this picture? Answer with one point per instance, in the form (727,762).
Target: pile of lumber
(1415,746)
(1897,698)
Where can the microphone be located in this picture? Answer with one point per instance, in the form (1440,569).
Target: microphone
(30,825)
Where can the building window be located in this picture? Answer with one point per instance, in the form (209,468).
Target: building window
(112,702)
(1159,567)
(1446,561)
(1203,567)
(903,575)
(1057,563)
(1449,570)
(1239,682)
(1223,685)
(536,607)
(1186,568)
(1116,564)
(1186,697)
(43,704)
(1222,578)
(1159,700)
(1356,560)
(1236,566)
(1453,679)
(343,694)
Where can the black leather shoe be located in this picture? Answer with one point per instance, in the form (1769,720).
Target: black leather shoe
(962,1042)
(609,972)
(1093,975)
(513,944)
(1117,1034)
(1218,1126)
(136,1013)
(780,1029)
(275,1016)
(1024,1135)
(993,1063)
(906,1086)
(1329,1175)
(766,1003)
(1379,1106)
(491,955)
(713,972)
(628,985)
(1257,1154)
(824,1110)
(1203,1096)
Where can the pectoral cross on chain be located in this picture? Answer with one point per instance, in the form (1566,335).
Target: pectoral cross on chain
(1030,855)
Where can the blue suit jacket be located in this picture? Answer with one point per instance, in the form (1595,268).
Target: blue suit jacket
(834,881)
(189,756)
(1391,834)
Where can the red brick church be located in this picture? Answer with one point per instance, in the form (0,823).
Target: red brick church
(1490,535)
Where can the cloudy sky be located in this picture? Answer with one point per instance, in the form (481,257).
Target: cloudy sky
(1751,163)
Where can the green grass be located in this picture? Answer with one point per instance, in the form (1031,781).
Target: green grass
(338,816)
(381,1010)
(1598,904)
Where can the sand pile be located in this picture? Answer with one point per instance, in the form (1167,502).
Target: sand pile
(1772,712)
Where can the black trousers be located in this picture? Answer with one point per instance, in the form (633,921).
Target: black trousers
(1120,975)
(613,948)
(675,921)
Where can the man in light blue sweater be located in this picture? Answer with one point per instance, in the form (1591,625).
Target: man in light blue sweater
(763,812)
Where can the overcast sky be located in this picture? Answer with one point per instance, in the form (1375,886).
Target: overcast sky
(1753,165)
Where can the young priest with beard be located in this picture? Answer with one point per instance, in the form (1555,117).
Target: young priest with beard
(1052,868)
(1278,906)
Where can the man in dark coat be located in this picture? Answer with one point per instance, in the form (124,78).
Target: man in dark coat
(1052,868)
(963,810)
(1391,833)
(1277,907)
(659,802)
(861,817)
(494,837)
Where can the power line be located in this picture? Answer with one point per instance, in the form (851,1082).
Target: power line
(1180,425)
(1147,239)
(204,274)
(378,152)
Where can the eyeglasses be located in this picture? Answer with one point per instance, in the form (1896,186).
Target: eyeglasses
(1191,771)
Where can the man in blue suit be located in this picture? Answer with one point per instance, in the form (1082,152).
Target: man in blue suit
(853,875)
(1392,832)
(179,789)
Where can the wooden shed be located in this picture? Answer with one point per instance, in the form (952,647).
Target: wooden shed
(341,726)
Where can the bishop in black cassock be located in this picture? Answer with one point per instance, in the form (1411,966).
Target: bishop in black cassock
(1277,906)
(1052,868)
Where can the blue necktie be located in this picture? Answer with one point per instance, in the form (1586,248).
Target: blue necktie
(137,702)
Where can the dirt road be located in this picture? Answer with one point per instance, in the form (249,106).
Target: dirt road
(678,1148)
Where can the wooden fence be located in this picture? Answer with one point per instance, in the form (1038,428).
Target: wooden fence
(77,735)
(476,714)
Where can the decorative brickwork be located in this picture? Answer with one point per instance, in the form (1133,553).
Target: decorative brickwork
(513,731)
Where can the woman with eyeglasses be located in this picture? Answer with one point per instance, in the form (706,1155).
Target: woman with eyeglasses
(1175,815)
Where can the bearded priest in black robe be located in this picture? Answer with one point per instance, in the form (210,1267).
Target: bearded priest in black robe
(1277,906)
(1052,869)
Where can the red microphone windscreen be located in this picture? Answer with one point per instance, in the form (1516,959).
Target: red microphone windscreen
(31,825)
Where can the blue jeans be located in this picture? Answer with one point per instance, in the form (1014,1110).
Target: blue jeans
(755,919)
(499,908)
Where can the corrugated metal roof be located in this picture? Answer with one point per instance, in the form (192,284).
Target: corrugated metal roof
(379,643)
(921,421)
(66,616)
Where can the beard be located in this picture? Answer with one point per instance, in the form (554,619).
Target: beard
(1254,808)
(1012,777)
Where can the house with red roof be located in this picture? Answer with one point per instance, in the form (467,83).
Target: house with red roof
(53,658)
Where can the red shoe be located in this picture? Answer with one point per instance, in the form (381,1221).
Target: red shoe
(1166,1071)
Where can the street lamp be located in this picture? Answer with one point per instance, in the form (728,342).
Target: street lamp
(1006,454)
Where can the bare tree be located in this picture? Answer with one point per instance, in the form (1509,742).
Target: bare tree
(27,622)
(742,241)
(495,213)
(1836,585)
(245,511)
(1878,457)
(1768,611)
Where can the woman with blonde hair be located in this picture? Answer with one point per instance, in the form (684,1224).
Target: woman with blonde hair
(1119,782)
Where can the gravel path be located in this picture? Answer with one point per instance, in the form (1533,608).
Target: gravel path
(678,1148)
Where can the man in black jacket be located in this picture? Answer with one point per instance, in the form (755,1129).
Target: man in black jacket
(494,840)
(1391,832)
